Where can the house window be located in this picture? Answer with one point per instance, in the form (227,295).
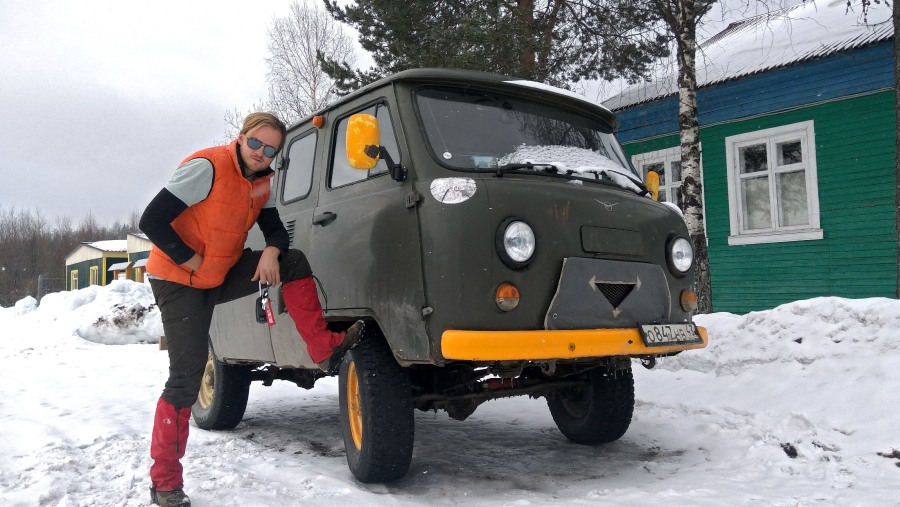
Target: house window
(95,275)
(666,163)
(73,279)
(772,185)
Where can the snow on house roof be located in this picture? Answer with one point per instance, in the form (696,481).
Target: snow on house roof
(110,245)
(781,38)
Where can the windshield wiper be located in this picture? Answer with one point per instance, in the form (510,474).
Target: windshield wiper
(553,169)
(547,168)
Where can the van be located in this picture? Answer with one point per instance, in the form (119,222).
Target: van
(496,241)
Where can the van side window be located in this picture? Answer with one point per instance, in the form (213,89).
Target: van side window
(297,173)
(341,172)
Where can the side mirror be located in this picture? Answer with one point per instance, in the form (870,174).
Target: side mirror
(362,135)
(652,184)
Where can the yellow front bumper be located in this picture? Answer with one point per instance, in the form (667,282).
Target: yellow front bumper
(534,345)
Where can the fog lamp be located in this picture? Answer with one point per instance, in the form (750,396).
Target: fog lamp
(688,300)
(507,297)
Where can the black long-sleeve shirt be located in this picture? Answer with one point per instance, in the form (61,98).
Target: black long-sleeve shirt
(190,185)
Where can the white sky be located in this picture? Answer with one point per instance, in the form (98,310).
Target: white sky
(101,99)
(122,91)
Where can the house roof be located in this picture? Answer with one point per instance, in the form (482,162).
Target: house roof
(106,246)
(812,29)
(109,245)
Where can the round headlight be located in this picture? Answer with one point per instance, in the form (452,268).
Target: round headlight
(681,256)
(515,242)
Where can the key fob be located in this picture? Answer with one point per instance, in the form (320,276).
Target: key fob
(261,309)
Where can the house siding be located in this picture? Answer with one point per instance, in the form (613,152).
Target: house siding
(84,271)
(854,72)
(855,163)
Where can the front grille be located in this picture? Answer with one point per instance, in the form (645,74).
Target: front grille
(615,293)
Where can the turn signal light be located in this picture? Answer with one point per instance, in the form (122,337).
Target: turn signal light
(689,300)
(507,297)
(318,121)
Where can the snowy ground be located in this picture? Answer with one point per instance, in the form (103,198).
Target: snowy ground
(793,406)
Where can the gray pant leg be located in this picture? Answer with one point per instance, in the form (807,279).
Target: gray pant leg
(186,316)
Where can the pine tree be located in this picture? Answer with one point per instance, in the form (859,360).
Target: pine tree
(558,42)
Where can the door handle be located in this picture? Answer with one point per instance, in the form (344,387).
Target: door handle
(324,218)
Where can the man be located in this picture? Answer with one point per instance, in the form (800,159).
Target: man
(198,224)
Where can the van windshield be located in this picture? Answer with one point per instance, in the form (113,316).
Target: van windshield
(474,130)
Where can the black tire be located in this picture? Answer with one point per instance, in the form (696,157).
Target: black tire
(377,418)
(598,412)
(223,395)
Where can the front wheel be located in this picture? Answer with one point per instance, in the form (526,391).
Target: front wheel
(377,418)
(598,411)
(223,395)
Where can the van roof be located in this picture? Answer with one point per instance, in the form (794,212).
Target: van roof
(487,79)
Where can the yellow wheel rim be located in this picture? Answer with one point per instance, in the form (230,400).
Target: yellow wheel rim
(354,410)
(207,384)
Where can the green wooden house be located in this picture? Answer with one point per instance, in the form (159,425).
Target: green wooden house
(797,130)
(90,263)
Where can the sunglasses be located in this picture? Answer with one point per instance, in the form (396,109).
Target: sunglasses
(254,144)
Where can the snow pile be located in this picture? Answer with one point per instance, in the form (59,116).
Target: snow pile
(793,406)
(120,313)
(801,332)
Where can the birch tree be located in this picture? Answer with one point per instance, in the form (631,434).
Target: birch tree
(297,85)
(681,18)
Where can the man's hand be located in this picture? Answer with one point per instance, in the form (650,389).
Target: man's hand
(268,269)
(194,262)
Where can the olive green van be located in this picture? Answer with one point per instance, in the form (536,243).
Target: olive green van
(497,242)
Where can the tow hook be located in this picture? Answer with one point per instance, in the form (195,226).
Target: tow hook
(648,362)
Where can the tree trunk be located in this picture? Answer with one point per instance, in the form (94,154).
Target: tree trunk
(526,17)
(692,182)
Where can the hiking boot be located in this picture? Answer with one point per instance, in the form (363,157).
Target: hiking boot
(174,498)
(351,338)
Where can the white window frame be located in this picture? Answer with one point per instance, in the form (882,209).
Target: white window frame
(805,132)
(666,156)
(94,275)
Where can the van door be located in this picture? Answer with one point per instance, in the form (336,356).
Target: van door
(298,179)
(365,246)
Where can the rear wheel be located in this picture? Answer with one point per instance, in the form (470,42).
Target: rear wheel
(599,411)
(377,419)
(223,395)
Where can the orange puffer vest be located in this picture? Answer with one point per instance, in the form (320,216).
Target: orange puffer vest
(216,227)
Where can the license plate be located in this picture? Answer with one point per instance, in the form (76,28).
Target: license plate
(660,335)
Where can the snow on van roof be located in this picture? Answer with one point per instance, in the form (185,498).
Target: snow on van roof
(558,91)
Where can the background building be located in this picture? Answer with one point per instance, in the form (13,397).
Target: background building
(797,130)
